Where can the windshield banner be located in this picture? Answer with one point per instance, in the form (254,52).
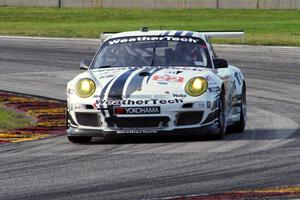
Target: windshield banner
(164,38)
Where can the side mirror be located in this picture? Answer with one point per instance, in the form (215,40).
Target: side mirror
(84,65)
(220,63)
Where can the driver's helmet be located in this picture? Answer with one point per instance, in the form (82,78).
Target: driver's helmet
(187,51)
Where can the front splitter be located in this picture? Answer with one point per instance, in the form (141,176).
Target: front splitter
(212,129)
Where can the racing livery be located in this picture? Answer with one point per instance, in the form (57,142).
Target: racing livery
(156,82)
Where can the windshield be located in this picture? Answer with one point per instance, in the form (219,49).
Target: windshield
(153,51)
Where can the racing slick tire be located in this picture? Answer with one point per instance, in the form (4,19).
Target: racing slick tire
(79,139)
(239,126)
(221,118)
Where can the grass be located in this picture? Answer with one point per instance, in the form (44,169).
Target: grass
(10,120)
(263,27)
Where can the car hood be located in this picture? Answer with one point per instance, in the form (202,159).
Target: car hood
(145,82)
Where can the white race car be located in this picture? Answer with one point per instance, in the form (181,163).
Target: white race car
(156,82)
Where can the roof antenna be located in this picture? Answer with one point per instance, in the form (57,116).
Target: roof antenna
(145,29)
(161,27)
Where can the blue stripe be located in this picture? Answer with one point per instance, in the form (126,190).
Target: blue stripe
(102,96)
(178,33)
(236,75)
(189,34)
(136,82)
(116,89)
(166,33)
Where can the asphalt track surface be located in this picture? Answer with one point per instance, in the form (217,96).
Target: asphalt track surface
(267,154)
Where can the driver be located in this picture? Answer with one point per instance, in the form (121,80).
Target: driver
(187,54)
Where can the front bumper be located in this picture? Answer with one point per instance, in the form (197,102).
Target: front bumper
(205,130)
(186,118)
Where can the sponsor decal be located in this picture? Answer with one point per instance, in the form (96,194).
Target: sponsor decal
(137,131)
(138,102)
(157,38)
(190,68)
(214,89)
(162,83)
(210,80)
(106,70)
(136,110)
(152,73)
(106,76)
(179,95)
(173,72)
(168,78)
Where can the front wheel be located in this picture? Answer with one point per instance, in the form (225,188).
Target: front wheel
(239,126)
(79,139)
(221,118)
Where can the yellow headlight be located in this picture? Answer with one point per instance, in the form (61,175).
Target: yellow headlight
(85,88)
(196,86)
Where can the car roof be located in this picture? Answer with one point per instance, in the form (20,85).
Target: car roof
(159,33)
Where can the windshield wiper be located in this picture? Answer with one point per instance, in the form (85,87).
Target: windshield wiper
(104,66)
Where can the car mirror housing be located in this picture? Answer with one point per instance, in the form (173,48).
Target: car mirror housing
(220,63)
(84,65)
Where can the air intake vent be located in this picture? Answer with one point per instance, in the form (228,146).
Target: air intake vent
(189,118)
(89,107)
(88,119)
(187,105)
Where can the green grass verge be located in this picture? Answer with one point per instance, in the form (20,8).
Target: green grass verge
(10,120)
(263,27)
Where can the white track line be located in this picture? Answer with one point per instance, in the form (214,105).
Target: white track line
(46,38)
(98,40)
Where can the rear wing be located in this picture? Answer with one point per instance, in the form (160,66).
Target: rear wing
(209,34)
(225,34)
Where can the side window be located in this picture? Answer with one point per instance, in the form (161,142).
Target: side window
(214,55)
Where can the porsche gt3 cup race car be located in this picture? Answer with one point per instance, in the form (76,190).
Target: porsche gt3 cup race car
(156,82)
